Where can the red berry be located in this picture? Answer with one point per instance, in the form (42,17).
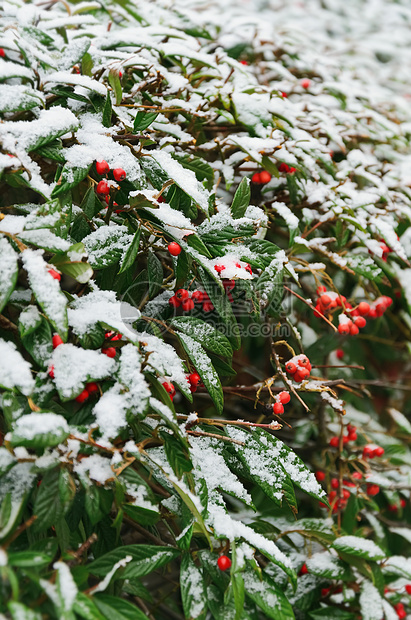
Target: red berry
(363,308)
(219,268)
(346,493)
(318,311)
(408,588)
(102,167)
(304,362)
(303,569)
(284,397)
(208,306)
(334,483)
(54,274)
(228,285)
(321,289)
(182,294)
(332,495)
(278,408)
(82,396)
(325,591)
(2,52)
(334,442)
(265,177)
(51,372)
(403,503)
(256,178)
(57,341)
(187,305)
(197,297)
(368,452)
(301,374)
(372,313)
(223,562)
(354,330)
(360,322)
(325,300)
(92,388)
(344,328)
(357,475)
(283,167)
(379,451)
(103,188)
(353,436)
(248,268)
(401,613)
(174,248)
(306,83)
(109,351)
(174,302)
(194,378)
(320,475)
(243,62)
(169,387)
(339,353)
(372,489)
(284,95)
(393,507)
(119,174)
(291,368)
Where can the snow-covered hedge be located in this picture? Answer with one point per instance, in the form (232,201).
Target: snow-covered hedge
(205,305)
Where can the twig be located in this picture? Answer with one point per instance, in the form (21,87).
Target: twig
(222,437)
(308,303)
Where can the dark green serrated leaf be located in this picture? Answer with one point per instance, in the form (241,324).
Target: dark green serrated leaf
(143,120)
(155,274)
(192,590)
(9,271)
(241,199)
(70,177)
(107,111)
(204,333)
(115,83)
(131,253)
(47,506)
(145,559)
(115,608)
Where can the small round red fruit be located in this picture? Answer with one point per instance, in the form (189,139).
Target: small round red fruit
(373,489)
(109,351)
(174,302)
(92,387)
(197,297)
(194,378)
(208,306)
(334,483)
(223,562)
(119,174)
(54,274)
(56,341)
(182,294)
(291,368)
(363,308)
(408,588)
(303,569)
(265,177)
(278,408)
(320,475)
(339,353)
(283,167)
(256,178)
(103,188)
(379,451)
(187,305)
(2,52)
(354,330)
(174,248)
(82,396)
(51,372)
(102,167)
(306,83)
(284,397)
(343,329)
(334,442)
(368,452)
(360,322)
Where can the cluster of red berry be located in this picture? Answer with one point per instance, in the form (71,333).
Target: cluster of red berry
(352,319)
(386,250)
(283,167)
(169,388)
(370,452)
(399,608)
(182,298)
(193,378)
(91,388)
(299,367)
(111,351)
(350,436)
(283,398)
(261,178)
(102,167)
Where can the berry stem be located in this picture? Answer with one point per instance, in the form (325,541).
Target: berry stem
(308,303)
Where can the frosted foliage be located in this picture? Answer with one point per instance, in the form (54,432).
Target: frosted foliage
(65,585)
(359,544)
(370,602)
(46,288)
(74,366)
(163,358)
(15,372)
(206,458)
(102,307)
(8,258)
(29,426)
(131,377)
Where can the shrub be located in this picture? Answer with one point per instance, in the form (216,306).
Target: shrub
(205,297)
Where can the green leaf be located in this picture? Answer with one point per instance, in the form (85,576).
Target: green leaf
(115,608)
(29,433)
(193,595)
(28,559)
(38,341)
(8,272)
(143,120)
(131,253)
(21,612)
(71,263)
(205,369)
(364,265)
(107,111)
(106,246)
(270,599)
(241,199)
(327,566)
(359,547)
(201,168)
(179,460)
(69,178)
(47,505)
(331,613)
(204,333)
(85,607)
(115,83)
(89,204)
(141,515)
(155,274)
(146,558)
(270,166)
